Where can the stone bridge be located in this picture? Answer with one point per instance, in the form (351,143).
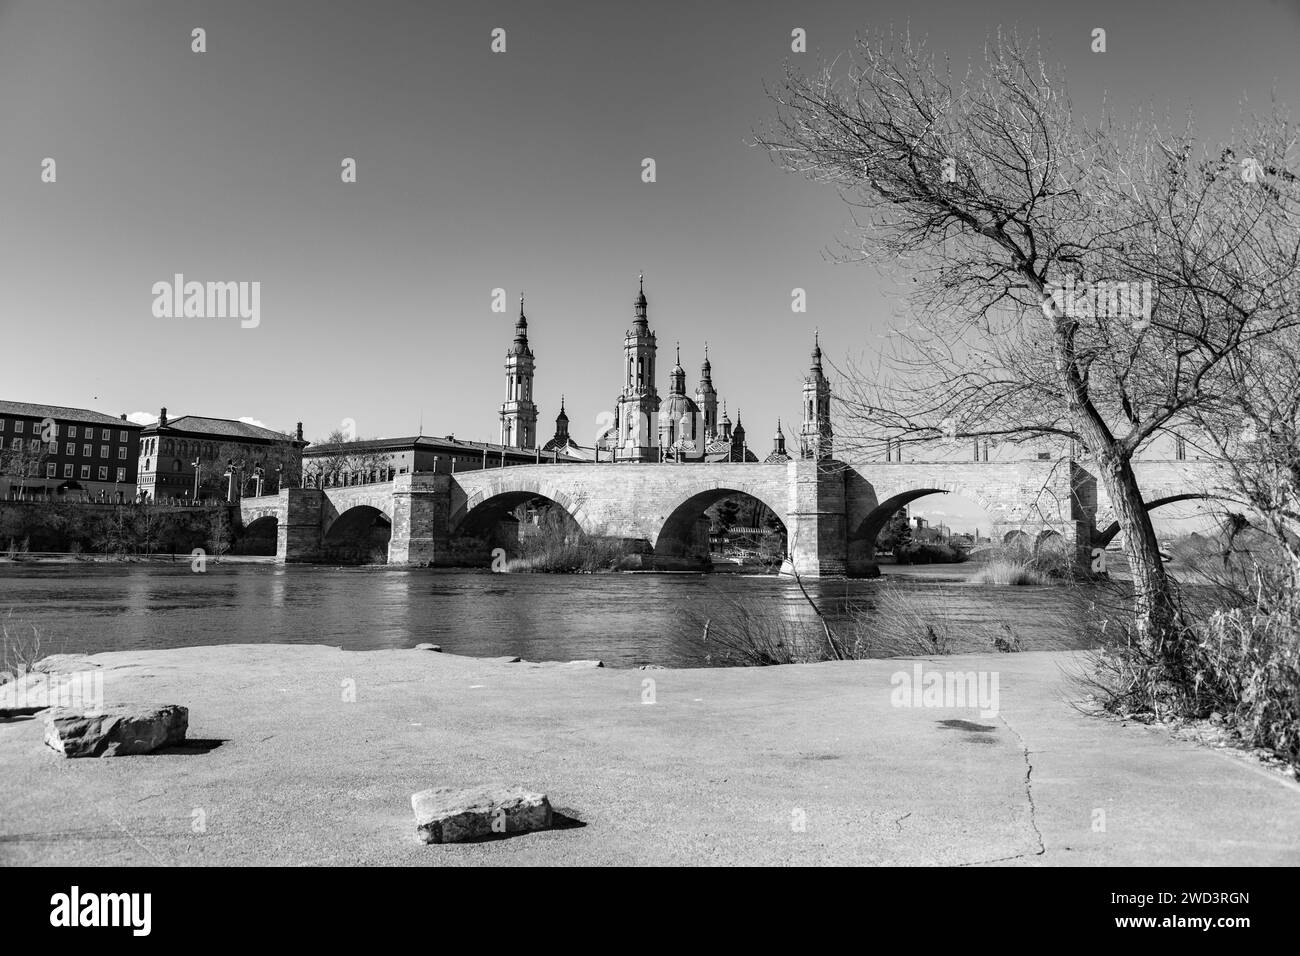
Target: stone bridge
(832,510)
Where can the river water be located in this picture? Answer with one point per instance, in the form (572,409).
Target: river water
(623,619)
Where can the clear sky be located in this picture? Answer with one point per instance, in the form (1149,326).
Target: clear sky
(476,170)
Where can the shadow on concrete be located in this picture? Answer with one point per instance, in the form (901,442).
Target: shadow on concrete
(191,747)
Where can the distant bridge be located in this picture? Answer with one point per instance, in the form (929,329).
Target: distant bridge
(832,510)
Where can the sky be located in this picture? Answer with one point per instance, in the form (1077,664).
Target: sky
(476,171)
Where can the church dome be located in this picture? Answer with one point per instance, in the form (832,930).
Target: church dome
(677,406)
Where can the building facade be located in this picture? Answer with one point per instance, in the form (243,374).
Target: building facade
(52,451)
(195,458)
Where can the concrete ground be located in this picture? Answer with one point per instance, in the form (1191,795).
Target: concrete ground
(808,764)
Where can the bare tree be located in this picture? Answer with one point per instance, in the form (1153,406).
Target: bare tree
(995,199)
(339,458)
(23,462)
(282,466)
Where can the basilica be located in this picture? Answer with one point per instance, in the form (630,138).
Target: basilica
(645,427)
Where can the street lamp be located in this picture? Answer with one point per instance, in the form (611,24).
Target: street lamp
(195,464)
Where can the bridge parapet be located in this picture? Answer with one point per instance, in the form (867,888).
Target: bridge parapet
(263,506)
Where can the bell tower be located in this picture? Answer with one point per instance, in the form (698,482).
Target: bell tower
(638,404)
(518,413)
(815,437)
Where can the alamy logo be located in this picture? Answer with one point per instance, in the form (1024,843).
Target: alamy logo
(1086,300)
(77,690)
(208,300)
(102,909)
(946,689)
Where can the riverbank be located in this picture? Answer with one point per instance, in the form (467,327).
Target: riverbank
(806,764)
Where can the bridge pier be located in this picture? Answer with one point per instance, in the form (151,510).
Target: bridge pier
(421,509)
(816,526)
(298,531)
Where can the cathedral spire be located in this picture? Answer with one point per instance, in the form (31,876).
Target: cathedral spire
(706,397)
(521,325)
(640,302)
(677,379)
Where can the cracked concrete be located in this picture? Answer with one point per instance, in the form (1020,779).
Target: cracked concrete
(802,764)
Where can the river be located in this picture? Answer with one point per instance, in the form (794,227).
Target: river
(623,619)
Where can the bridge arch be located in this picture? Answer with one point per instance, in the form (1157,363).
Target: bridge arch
(1105,535)
(1049,539)
(259,535)
(504,494)
(874,521)
(681,541)
(358,535)
(481,511)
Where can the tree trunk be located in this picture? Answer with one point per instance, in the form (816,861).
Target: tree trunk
(1156,615)
(1154,611)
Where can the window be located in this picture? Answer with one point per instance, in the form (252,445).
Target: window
(18,426)
(121,436)
(105,434)
(85,471)
(2,424)
(103,451)
(16,444)
(1180,448)
(121,474)
(51,469)
(72,431)
(103,473)
(87,451)
(176,465)
(121,453)
(67,471)
(70,448)
(34,444)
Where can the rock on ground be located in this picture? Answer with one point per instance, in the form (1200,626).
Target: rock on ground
(449,815)
(116,731)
